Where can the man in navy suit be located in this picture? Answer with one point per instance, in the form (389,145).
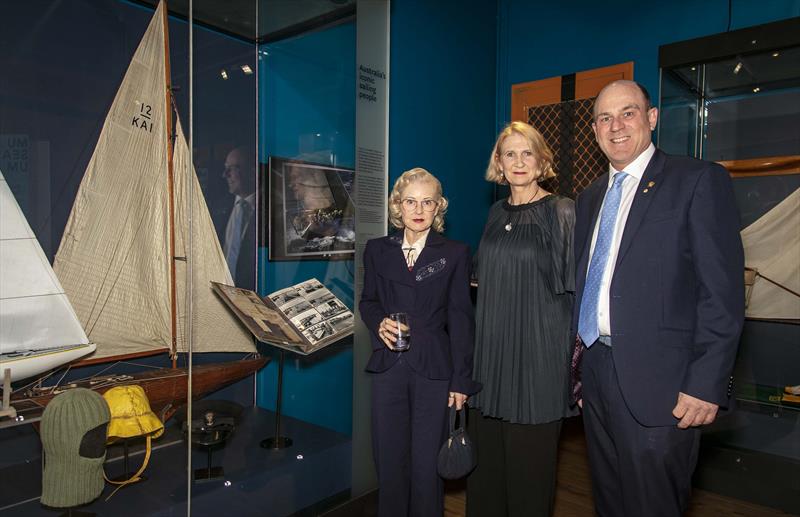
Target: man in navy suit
(659,306)
(240,236)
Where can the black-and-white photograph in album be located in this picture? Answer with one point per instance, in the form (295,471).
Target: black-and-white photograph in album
(296,307)
(318,332)
(319,297)
(331,308)
(306,319)
(342,321)
(284,296)
(311,286)
(311,213)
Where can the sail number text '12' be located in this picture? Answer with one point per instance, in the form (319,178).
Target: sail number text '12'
(143,119)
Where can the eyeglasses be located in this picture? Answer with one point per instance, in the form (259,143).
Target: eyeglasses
(410,204)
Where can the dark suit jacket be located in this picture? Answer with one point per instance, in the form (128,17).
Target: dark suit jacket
(435,294)
(245,273)
(677,293)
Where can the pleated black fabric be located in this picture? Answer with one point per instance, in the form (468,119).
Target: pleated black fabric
(526,289)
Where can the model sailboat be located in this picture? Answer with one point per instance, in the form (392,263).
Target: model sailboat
(38,327)
(124,256)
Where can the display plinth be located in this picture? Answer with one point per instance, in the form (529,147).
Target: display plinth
(278,441)
(127,477)
(210,473)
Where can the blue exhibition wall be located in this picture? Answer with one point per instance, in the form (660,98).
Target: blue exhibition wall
(442,102)
(307,112)
(537,40)
(442,95)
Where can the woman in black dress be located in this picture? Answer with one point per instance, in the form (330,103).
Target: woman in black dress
(526,287)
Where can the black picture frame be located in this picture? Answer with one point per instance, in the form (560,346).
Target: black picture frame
(311,211)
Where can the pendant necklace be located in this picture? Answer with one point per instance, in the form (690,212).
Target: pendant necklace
(508,225)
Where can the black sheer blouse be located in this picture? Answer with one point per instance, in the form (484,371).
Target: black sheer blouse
(525,270)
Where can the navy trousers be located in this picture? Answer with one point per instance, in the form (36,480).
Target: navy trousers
(636,470)
(409,426)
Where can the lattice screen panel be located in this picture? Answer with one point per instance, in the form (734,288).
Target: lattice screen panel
(567,129)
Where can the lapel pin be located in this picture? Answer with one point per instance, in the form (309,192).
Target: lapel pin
(649,184)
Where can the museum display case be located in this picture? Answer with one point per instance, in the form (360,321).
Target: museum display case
(135,142)
(734,98)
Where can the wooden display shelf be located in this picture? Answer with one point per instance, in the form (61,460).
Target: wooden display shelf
(766,166)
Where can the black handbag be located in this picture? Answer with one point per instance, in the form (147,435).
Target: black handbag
(457,455)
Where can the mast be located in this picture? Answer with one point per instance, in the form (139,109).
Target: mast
(171,190)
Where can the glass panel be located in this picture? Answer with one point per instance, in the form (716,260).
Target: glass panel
(679,117)
(753,105)
(307,139)
(224,427)
(273,128)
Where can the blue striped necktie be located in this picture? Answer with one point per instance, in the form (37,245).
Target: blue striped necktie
(587,318)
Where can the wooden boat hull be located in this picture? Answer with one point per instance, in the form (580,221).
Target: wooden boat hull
(166,388)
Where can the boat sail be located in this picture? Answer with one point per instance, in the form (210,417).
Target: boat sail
(129,219)
(771,251)
(38,327)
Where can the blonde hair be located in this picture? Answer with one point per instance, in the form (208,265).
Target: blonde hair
(405,179)
(542,152)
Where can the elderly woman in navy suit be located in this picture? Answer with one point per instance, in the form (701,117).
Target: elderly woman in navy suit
(419,272)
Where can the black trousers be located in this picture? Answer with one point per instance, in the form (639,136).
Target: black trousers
(409,414)
(516,472)
(636,470)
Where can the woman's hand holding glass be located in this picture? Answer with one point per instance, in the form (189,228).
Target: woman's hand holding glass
(387,331)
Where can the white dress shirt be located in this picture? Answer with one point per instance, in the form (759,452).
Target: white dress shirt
(635,172)
(412,251)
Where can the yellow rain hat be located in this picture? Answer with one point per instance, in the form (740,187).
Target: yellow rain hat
(131,414)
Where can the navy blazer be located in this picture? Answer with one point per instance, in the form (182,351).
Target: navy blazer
(435,294)
(677,293)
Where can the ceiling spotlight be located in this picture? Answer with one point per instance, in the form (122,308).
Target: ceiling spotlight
(737,67)
(246,69)
(694,68)
(223,74)
(776,54)
(756,89)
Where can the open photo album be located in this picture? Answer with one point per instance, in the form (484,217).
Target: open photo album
(302,318)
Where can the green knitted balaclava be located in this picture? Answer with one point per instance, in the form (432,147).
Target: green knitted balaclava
(73,436)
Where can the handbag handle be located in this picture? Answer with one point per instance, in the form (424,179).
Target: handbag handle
(462,416)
